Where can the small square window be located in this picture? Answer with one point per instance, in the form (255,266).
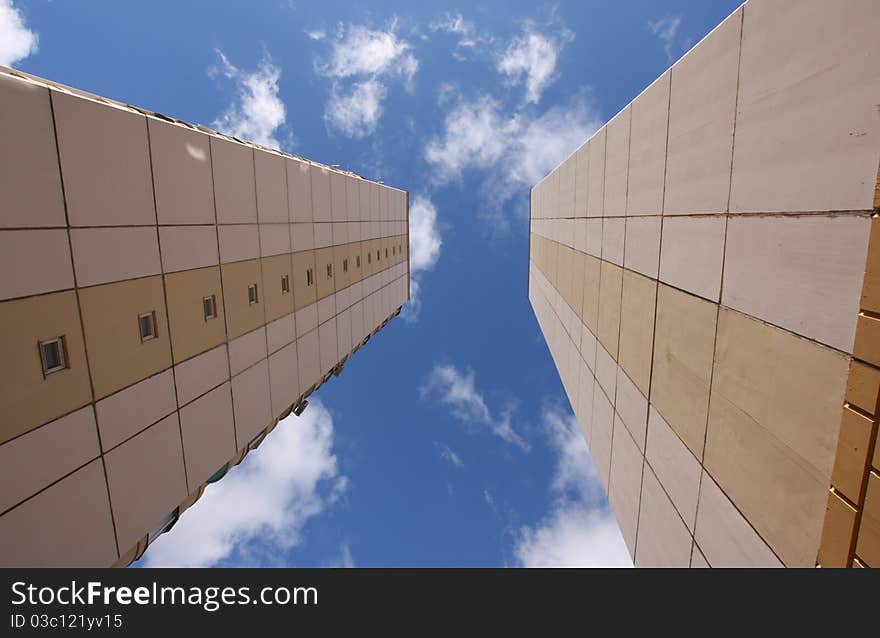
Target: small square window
(147,326)
(310,278)
(52,355)
(285,284)
(209,305)
(344,265)
(252,294)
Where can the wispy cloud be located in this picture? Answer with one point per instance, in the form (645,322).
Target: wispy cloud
(468,38)
(449,455)
(579,530)
(343,559)
(512,150)
(424,250)
(259,510)
(258,112)
(531,58)
(666,29)
(361,63)
(456,389)
(316,34)
(16,41)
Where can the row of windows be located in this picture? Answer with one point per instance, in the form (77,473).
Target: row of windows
(53,352)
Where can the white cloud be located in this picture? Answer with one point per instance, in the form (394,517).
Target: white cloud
(362,62)
(449,455)
(456,389)
(475,135)
(453,23)
(512,151)
(424,250)
(468,39)
(666,29)
(543,142)
(531,57)
(579,530)
(258,112)
(573,536)
(259,509)
(16,41)
(424,239)
(357,112)
(358,50)
(316,35)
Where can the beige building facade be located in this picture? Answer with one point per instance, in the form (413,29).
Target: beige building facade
(167,295)
(704,270)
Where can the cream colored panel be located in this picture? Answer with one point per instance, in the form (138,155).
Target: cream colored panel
(152,460)
(181,163)
(701,121)
(800,273)
(29,178)
(647,152)
(84,540)
(104,162)
(34,262)
(807,130)
(61,446)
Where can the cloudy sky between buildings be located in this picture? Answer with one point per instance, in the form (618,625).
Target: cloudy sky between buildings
(448,440)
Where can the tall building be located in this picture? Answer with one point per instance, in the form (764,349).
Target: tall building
(705,272)
(167,294)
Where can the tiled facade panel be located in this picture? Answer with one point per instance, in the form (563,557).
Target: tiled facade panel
(718,332)
(40,260)
(208,432)
(182,180)
(29,178)
(62,446)
(68,524)
(27,397)
(175,330)
(105,162)
(153,458)
(789,154)
(702,106)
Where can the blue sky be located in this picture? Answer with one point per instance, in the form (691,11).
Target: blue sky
(448,441)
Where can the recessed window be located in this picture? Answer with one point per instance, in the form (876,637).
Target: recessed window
(386,253)
(209,305)
(369,258)
(285,284)
(147,326)
(255,442)
(163,525)
(329,271)
(310,277)
(357,261)
(52,355)
(378,255)
(252,294)
(344,265)
(394,250)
